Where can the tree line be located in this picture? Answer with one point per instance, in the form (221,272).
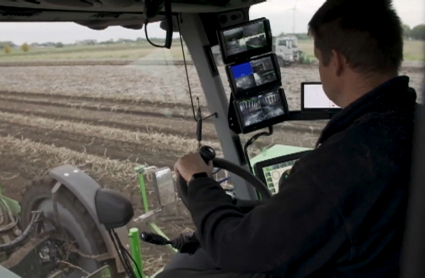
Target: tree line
(415,33)
(9,46)
(8,49)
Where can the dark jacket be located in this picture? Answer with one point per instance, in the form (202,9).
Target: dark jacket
(341,211)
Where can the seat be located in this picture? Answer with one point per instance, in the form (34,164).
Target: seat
(113,209)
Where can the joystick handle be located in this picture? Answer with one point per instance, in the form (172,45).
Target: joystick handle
(154,238)
(207,153)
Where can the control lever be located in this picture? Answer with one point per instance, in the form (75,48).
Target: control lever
(207,153)
(185,243)
(199,121)
(154,238)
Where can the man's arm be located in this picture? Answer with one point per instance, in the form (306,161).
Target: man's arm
(248,205)
(296,232)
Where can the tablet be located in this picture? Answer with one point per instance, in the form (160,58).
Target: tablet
(271,171)
(313,98)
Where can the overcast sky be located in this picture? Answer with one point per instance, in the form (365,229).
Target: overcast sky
(280,13)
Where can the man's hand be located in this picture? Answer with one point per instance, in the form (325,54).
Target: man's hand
(191,164)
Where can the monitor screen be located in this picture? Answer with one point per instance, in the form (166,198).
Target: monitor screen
(245,40)
(261,111)
(261,108)
(314,98)
(255,76)
(271,171)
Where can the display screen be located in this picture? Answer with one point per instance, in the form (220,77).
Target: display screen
(273,174)
(271,171)
(261,108)
(245,38)
(254,73)
(314,97)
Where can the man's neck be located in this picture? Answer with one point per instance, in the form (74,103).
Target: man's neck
(361,85)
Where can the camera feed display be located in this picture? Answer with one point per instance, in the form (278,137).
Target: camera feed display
(261,108)
(241,39)
(254,73)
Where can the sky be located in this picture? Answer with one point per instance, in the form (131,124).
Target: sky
(280,13)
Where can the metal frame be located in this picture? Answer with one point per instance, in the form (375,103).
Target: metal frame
(134,235)
(196,38)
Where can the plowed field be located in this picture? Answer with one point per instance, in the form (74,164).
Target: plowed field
(108,118)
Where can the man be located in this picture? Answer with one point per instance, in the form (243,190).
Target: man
(341,211)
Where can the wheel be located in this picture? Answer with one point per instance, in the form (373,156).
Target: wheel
(283,63)
(75,220)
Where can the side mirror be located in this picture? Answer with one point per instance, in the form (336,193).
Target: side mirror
(164,187)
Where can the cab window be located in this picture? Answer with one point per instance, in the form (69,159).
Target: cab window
(283,43)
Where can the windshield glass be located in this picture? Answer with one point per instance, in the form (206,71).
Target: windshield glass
(104,101)
(108,102)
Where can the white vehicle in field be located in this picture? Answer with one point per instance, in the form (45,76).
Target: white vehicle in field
(286,49)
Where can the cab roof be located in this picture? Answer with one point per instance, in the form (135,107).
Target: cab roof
(99,14)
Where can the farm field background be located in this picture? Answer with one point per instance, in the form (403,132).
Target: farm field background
(109,109)
(413,51)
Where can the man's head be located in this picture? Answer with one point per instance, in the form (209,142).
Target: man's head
(359,45)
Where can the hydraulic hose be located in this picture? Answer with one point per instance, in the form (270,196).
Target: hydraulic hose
(24,235)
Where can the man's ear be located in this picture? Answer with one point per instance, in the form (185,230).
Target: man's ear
(339,62)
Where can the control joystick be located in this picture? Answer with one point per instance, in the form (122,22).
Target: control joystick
(207,153)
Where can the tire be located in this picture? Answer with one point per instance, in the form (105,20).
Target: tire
(281,62)
(74,218)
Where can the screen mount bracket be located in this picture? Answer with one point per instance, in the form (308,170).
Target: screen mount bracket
(232,117)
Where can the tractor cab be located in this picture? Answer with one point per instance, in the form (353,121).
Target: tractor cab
(72,226)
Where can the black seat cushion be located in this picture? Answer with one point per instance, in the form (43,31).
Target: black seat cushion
(113,209)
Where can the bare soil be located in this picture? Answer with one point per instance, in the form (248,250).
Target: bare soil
(120,98)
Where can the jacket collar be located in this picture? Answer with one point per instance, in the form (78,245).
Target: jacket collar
(394,93)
